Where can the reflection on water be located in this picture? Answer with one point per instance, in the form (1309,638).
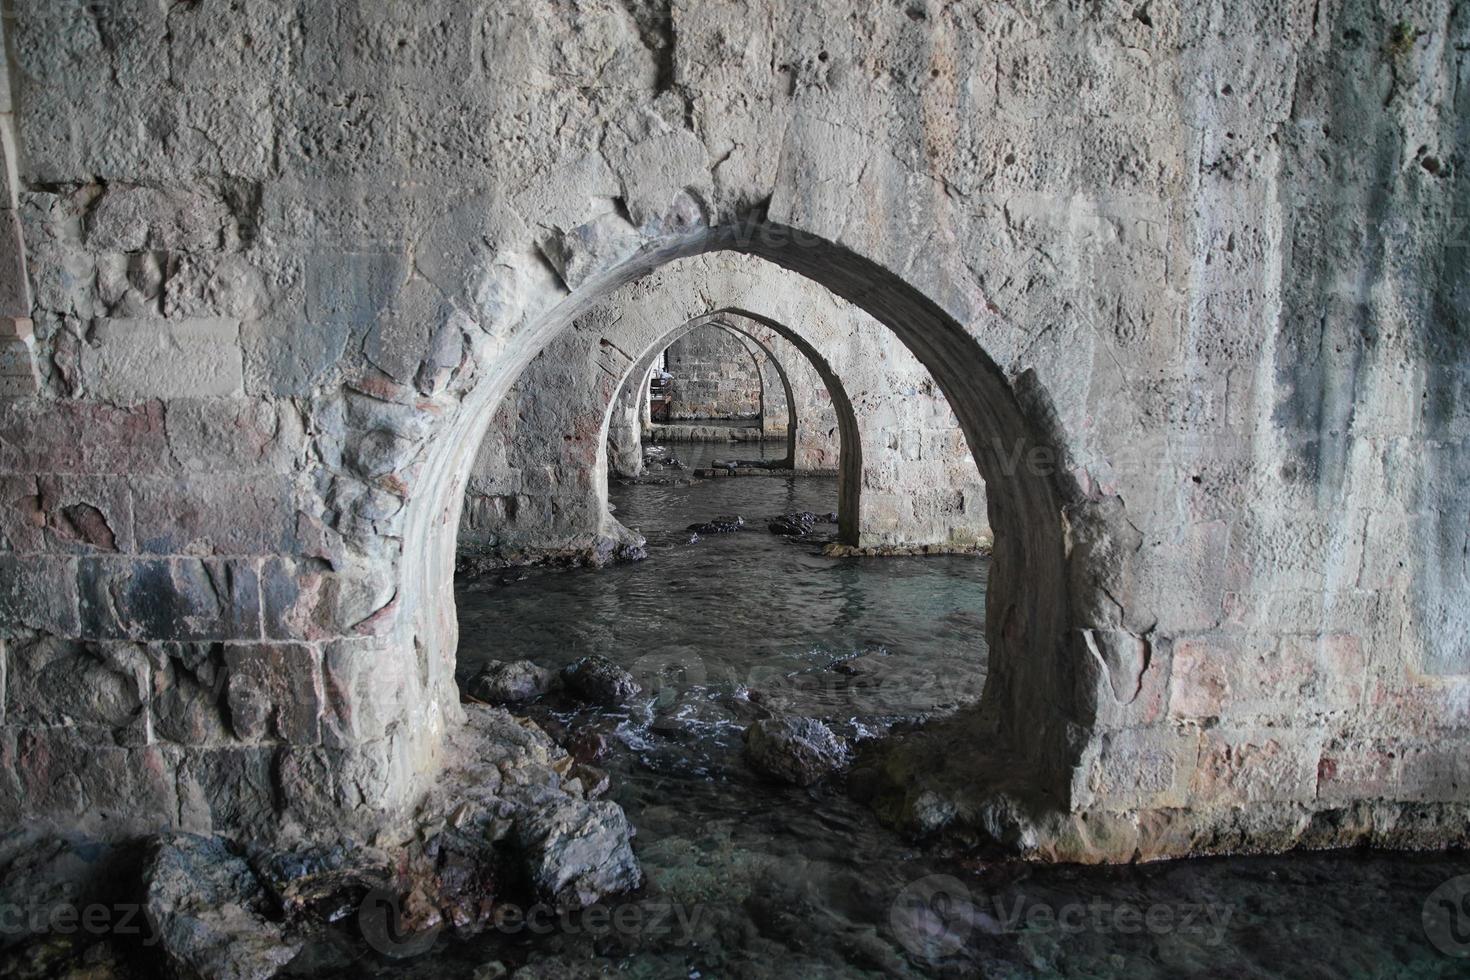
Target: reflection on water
(748,878)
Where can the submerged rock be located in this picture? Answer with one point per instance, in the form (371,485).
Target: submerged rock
(208,909)
(794,750)
(800,523)
(719,525)
(576,853)
(502,682)
(596,678)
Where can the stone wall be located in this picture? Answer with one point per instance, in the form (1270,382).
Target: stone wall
(1190,276)
(715,377)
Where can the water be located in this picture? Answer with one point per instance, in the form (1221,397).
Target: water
(751,879)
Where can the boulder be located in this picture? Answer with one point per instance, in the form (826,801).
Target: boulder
(575,853)
(500,682)
(596,678)
(794,750)
(208,910)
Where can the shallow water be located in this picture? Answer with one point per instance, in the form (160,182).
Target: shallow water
(748,878)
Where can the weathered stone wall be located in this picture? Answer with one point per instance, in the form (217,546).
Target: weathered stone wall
(715,377)
(1190,276)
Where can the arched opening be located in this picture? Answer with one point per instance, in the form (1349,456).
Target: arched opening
(1028,700)
(715,378)
(631,415)
(748,325)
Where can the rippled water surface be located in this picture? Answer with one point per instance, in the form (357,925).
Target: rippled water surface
(749,878)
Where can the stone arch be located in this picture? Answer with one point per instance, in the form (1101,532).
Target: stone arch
(571,424)
(630,406)
(1030,704)
(716,375)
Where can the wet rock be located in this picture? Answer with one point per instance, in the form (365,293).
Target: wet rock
(595,782)
(208,909)
(324,883)
(454,883)
(631,552)
(503,682)
(794,525)
(929,812)
(597,679)
(575,853)
(800,523)
(614,549)
(719,525)
(587,746)
(794,750)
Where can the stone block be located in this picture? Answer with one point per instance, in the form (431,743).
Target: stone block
(227,286)
(369,685)
(228,788)
(65,775)
(22,516)
(400,336)
(1199,682)
(216,435)
(1357,769)
(18,386)
(1295,675)
(352,288)
(179,599)
(134,360)
(1238,767)
(291,358)
(81,514)
(1437,771)
(16,328)
(186,694)
(40,593)
(98,689)
(1141,768)
(216,515)
(18,368)
(294,604)
(132,219)
(81,437)
(1124,675)
(274,691)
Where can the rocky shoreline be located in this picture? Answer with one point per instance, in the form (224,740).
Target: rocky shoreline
(515,822)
